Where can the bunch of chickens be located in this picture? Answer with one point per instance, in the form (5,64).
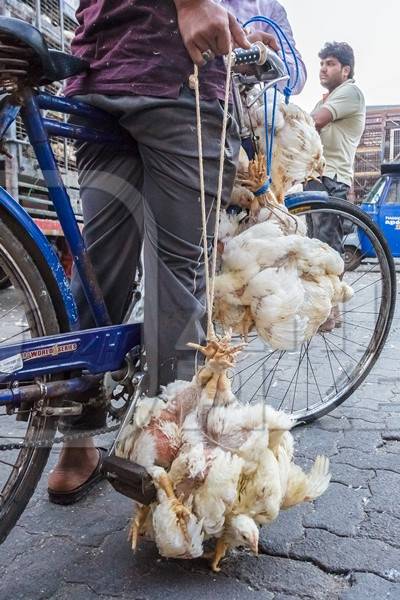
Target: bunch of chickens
(220,468)
(272,276)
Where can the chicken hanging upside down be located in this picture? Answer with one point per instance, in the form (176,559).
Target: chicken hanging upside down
(272,277)
(220,468)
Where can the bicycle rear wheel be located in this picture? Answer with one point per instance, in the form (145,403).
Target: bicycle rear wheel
(326,370)
(26,311)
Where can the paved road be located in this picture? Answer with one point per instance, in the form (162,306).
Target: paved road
(345,546)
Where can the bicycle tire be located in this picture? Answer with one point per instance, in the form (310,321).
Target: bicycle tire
(26,266)
(330,397)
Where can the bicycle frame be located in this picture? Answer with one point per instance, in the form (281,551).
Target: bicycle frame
(96,350)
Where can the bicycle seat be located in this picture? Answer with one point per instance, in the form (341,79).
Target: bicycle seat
(24,55)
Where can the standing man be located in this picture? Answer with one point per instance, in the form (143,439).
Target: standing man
(340,119)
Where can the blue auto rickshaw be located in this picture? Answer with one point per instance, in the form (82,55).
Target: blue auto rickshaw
(382,205)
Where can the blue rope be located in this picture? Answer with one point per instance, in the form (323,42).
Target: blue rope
(282,37)
(264,189)
(269,142)
(269,164)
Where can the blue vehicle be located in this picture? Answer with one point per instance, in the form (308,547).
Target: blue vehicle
(382,205)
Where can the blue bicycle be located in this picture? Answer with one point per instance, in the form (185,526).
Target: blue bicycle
(47,362)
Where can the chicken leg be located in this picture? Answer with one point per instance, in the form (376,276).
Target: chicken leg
(220,551)
(182,513)
(220,356)
(137,525)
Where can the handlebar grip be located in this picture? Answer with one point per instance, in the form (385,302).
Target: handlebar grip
(256,55)
(259,54)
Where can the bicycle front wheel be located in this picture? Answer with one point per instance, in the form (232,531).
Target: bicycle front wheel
(26,311)
(326,370)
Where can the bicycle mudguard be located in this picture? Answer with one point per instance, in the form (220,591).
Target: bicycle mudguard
(38,238)
(301,198)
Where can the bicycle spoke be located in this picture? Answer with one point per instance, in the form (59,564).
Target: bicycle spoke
(368,286)
(316,383)
(11,337)
(338,361)
(10,310)
(347,339)
(361,306)
(363,275)
(330,364)
(331,343)
(273,371)
(291,381)
(358,325)
(256,371)
(254,363)
(4,462)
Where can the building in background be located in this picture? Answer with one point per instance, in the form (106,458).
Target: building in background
(19,174)
(380,143)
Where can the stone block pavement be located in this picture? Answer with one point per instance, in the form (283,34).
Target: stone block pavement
(345,546)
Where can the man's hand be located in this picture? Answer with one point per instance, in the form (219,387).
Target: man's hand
(205,25)
(258,36)
(266,38)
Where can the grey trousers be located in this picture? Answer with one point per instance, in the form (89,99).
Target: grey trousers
(151,195)
(328,228)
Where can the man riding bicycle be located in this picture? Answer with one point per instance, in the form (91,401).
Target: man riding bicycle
(141,54)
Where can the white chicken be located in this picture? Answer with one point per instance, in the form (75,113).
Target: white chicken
(270,482)
(272,277)
(279,281)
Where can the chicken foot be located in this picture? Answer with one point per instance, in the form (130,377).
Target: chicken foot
(220,355)
(182,513)
(137,525)
(216,556)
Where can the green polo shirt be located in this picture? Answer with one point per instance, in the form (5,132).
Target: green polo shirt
(341,137)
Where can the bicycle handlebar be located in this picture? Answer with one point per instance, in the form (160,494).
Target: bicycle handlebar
(259,54)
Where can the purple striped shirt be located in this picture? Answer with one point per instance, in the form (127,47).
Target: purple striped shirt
(134,47)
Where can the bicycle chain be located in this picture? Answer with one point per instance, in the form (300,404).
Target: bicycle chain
(59,440)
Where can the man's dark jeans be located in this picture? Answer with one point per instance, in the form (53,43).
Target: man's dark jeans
(328,228)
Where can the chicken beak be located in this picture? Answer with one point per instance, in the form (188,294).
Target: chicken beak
(254,546)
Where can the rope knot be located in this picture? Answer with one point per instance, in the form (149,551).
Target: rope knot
(263,189)
(287,92)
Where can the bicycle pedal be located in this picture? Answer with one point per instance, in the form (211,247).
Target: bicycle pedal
(129,479)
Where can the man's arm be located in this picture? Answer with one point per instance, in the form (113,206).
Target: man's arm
(322,117)
(205,25)
(346,102)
